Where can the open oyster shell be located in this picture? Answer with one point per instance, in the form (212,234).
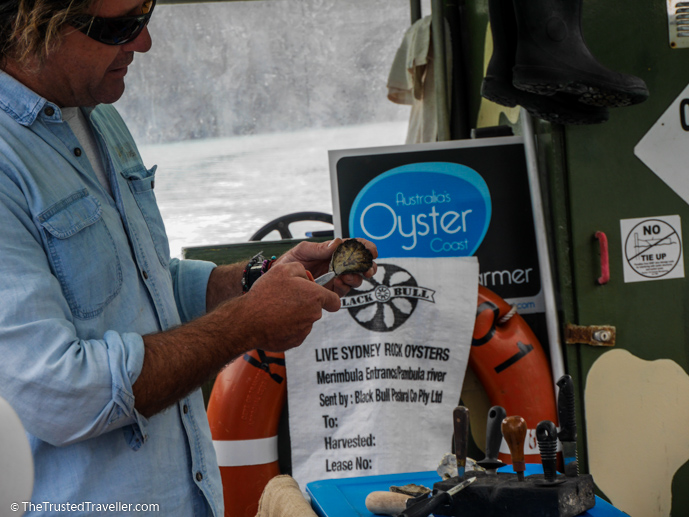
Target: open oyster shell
(351,257)
(411,489)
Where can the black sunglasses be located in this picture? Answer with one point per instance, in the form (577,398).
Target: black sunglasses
(114,31)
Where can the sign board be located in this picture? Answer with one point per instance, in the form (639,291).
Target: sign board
(458,198)
(652,248)
(664,147)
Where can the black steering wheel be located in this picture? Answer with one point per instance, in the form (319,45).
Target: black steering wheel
(281,224)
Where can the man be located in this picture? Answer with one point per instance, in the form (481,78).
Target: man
(104,340)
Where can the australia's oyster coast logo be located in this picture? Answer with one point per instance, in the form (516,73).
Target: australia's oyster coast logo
(385,301)
(428,209)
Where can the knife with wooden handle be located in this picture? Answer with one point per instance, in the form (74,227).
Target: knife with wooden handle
(460,417)
(514,431)
(387,503)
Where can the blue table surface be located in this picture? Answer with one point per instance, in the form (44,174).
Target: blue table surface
(346,497)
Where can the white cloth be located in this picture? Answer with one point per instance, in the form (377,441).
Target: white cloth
(84,133)
(372,389)
(412,80)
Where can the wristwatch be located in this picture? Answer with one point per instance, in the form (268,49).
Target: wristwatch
(257,266)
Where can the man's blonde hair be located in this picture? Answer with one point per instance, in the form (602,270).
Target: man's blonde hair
(31,28)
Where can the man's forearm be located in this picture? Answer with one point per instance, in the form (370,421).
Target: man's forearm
(224,283)
(180,360)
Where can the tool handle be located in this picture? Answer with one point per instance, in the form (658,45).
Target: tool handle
(386,503)
(514,431)
(566,409)
(460,417)
(427,506)
(546,435)
(496,415)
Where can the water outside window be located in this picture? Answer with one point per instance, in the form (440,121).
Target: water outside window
(238,104)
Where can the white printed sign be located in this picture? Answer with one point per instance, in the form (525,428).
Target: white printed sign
(664,148)
(372,389)
(652,248)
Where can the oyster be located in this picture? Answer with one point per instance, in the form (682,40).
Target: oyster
(411,489)
(351,257)
(447,468)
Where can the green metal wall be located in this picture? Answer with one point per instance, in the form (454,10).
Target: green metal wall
(592,180)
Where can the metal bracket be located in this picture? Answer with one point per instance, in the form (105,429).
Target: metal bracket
(678,23)
(594,335)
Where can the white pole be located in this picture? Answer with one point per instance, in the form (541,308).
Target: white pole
(556,359)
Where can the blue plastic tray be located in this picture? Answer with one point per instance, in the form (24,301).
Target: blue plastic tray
(346,497)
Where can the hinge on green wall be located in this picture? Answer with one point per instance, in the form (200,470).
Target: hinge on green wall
(594,335)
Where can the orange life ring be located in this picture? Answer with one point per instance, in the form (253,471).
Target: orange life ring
(248,396)
(244,413)
(510,363)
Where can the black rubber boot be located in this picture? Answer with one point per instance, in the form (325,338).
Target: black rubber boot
(497,86)
(553,57)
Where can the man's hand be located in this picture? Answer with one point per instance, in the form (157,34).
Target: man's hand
(283,305)
(315,257)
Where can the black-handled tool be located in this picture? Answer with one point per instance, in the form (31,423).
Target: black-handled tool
(428,506)
(460,417)
(546,436)
(496,415)
(568,425)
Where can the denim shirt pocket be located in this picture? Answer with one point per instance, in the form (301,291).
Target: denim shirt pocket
(141,182)
(82,253)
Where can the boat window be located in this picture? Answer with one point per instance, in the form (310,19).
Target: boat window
(238,104)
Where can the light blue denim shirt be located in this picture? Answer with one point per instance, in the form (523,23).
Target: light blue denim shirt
(84,277)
